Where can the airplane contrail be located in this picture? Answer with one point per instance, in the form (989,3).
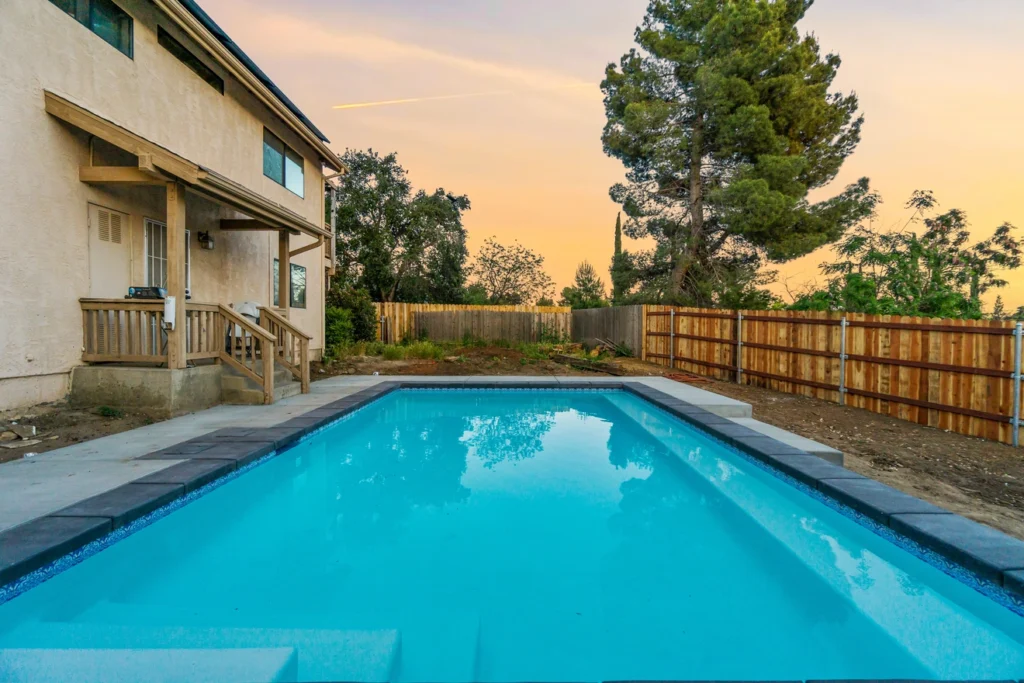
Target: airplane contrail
(487,93)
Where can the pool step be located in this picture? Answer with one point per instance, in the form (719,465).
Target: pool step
(323,654)
(251,665)
(431,649)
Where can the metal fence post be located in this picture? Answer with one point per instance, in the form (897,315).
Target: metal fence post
(739,347)
(842,360)
(1018,334)
(672,338)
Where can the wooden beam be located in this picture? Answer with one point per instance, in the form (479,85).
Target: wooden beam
(246,224)
(284,274)
(146,162)
(123,175)
(309,247)
(176,348)
(118,136)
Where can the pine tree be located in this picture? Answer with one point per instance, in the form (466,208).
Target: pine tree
(587,290)
(725,121)
(620,270)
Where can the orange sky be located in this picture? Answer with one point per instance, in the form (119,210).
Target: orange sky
(940,84)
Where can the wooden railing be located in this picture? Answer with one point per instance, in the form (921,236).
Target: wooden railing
(292,348)
(119,330)
(132,331)
(249,348)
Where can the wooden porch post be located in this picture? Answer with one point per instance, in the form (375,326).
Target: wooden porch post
(176,346)
(284,273)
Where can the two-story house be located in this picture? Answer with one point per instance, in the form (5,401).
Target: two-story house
(144,153)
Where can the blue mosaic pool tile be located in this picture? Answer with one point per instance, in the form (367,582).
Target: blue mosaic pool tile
(34,544)
(980,548)
(875,499)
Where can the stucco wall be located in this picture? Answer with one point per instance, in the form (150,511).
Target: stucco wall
(44,240)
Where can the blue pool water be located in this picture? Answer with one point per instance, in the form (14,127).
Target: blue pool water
(447,535)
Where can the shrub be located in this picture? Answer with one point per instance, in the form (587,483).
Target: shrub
(393,352)
(107,411)
(338,330)
(360,307)
(424,350)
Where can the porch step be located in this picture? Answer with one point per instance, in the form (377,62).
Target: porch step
(237,389)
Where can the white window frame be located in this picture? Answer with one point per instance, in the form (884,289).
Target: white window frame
(149,223)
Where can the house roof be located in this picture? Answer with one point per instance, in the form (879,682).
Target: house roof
(196,11)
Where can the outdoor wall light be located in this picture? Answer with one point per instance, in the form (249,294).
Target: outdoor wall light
(205,241)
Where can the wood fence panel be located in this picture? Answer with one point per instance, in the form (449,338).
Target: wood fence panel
(515,326)
(619,324)
(949,374)
(397,318)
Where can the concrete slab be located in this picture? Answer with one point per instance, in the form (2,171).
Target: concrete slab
(54,480)
(806,445)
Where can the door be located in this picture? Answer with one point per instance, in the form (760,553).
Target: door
(156,256)
(109,253)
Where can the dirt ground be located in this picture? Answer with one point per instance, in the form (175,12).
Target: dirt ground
(58,425)
(472,360)
(980,479)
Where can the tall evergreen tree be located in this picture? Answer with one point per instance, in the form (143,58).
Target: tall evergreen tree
(621,266)
(587,290)
(725,121)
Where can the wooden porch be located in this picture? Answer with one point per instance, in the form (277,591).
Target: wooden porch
(135,331)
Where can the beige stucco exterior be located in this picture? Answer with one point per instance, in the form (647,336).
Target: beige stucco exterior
(45,259)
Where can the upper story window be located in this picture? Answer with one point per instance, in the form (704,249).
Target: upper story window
(169,43)
(104,18)
(282,164)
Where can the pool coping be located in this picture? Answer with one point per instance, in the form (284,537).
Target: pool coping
(983,552)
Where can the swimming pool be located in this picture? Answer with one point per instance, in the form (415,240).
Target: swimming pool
(500,535)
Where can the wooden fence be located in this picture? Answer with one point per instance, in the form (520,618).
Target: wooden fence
(513,326)
(960,375)
(395,321)
(620,325)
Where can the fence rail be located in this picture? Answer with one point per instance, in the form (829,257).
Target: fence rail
(960,375)
(515,326)
(395,320)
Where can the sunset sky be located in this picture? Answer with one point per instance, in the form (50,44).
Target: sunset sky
(941,83)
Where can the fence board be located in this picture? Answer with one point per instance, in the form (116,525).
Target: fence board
(950,374)
(395,320)
(620,325)
(515,326)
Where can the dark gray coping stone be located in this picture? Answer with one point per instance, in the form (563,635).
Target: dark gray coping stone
(35,544)
(185,448)
(760,445)
(242,452)
(806,468)
(278,435)
(125,504)
(981,549)
(192,474)
(1013,581)
(874,499)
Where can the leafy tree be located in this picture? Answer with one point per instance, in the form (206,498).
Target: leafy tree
(545,301)
(999,311)
(395,244)
(587,290)
(725,121)
(475,295)
(937,273)
(510,274)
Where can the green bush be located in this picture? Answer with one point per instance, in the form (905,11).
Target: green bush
(338,330)
(360,307)
(424,350)
(107,411)
(394,352)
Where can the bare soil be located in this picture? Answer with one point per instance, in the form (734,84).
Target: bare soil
(471,360)
(980,479)
(58,425)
